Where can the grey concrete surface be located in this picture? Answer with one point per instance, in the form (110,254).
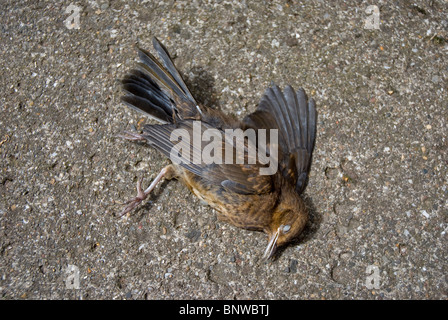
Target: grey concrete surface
(378,187)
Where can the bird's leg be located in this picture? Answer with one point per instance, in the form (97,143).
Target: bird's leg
(167,172)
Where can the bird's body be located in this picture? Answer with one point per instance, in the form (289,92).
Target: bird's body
(243,211)
(237,190)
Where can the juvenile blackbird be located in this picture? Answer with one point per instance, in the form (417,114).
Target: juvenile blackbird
(241,195)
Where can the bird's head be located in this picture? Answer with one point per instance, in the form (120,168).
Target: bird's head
(288,222)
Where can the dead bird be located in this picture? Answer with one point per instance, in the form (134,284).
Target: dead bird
(242,193)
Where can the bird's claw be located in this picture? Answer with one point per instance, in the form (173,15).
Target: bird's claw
(133,203)
(143,194)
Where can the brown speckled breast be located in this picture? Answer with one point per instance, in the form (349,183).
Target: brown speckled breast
(243,211)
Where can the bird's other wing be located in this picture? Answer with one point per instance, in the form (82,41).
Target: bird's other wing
(294,116)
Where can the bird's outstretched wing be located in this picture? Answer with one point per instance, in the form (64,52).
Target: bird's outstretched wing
(294,116)
(229,173)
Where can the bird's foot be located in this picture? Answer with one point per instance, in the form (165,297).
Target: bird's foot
(166,172)
(133,203)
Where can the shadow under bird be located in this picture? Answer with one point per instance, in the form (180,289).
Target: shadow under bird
(240,194)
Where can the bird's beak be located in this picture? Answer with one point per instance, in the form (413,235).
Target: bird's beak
(272,245)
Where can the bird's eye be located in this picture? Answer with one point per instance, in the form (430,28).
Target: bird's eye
(286,228)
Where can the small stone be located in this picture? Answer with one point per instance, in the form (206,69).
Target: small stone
(275,43)
(293,266)
(292,42)
(193,235)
